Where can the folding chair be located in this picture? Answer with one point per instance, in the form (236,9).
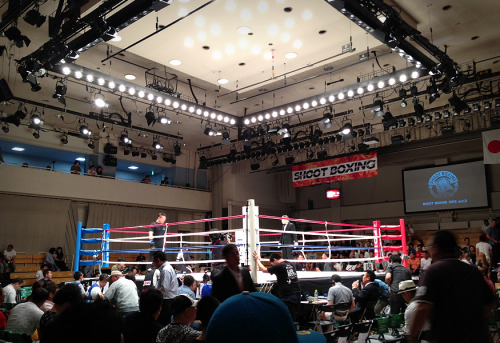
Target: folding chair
(319,325)
(381,328)
(340,313)
(343,333)
(361,330)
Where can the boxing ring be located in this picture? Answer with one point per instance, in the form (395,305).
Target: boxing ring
(249,237)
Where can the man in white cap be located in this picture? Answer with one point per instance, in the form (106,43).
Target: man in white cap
(408,289)
(123,293)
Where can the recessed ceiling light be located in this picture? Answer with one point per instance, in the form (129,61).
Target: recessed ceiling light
(243,30)
(306,15)
(246,14)
(201,36)
(256,49)
(183,12)
(273,30)
(130,76)
(81,159)
(262,6)
(175,62)
(291,55)
(116,38)
(285,37)
(229,49)
(217,54)
(222,81)
(17,149)
(297,43)
(133,167)
(230,5)
(188,42)
(215,29)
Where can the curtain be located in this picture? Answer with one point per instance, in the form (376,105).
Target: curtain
(35,224)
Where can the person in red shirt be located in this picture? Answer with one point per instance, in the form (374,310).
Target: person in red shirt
(420,251)
(414,264)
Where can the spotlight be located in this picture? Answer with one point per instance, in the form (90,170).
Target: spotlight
(403,103)
(448,130)
(177,149)
(59,93)
(289,160)
(84,131)
(419,109)
(135,153)
(254,166)
(154,157)
(402,93)
(476,107)
(377,108)
(437,115)
(487,105)
(144,154)
(99,100)
(497,102)
(446,114)
(408,137)
(164,120)
(457,104)
(34,18)
(36,134)
(466,126)
(157,146)
(13,34)
(36,120)
(388,120)
(411,122)
(126,151)
(285,130)
(327,120)
(322,154)
(150,118)
(361,132)
(210,132)
(427,118)
(346,129)
(401,123)
(91,144)
(125,139)
(397,139)
(5,128)
(64,139)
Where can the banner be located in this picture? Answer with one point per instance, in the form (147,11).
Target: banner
(491,146)
(336,169)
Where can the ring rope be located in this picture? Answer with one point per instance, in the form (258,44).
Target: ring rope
(313,221)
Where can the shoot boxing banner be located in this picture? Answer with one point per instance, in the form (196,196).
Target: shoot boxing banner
(337,169)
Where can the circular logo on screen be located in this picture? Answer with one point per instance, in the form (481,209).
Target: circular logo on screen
(443,185)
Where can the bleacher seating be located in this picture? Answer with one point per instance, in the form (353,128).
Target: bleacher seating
(30,277)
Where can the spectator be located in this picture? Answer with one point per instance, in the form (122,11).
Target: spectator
(92,171)
(10,291)
(50,259)
(483,247)
(122,293)
(60,263)
(256,317)
(472,253)
(419,253)
(4,314)
(232,279)
(146,319)
(491,285)
(99,170)
(167,284)
(164,182)
(482,262)
(120,266)
(184,313)
(493,234)
(408,289)
(9,258)
(47,276)
(51,287)
(97,288)
(207,287)
(365,295)
(78,277)
(25,165)
(98,315)
(395,274)
(445,282)
(338,294)
(425,262)
(75,168)
(204,311)
(39,274)
(414,264)
(287,281)
(141,258)
(146,179)
(383,299)
(188,287)
(25,317)
(467,244)
(67,295)
(486,225)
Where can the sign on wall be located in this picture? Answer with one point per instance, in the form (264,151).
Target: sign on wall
(337,169)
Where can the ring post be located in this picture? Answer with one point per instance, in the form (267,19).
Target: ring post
(76,265)
(165,237)
(253,225)
(403,240)
(105,245)
(377,241)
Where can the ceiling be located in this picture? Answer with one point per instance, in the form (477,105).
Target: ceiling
(203,36)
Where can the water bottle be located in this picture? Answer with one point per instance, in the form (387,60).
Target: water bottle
(316,294)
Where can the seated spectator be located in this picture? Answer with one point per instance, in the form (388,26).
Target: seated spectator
(425,262)
(75,168)
(141,258)
(188,287)
(366,294)
(255,318)
(47,276)
(9,258)
(204,310)
(88,271)
(11,290)
(482,262)
(50,259)
(67,295)
(120,266)
(325,266)
(78,277)
(51,287)
(299,266)
(60,263)
(146,179)
(207,286)
(338,294)
(164,182)
(4,314)
(146,319)
(466,258)
(414,264)
(39,274)
(97,288)
(25,317)
(99,316)
(419,253)
(472,253)
(25,165)
(92,171)
(99,170)
(184,313)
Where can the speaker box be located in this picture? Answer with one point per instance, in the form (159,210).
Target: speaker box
(5,93)
(110,161)
(110,149)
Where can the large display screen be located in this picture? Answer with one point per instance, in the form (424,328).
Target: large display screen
(449,187)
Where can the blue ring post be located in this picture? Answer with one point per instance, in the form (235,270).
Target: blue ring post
(105,245)
(76,265)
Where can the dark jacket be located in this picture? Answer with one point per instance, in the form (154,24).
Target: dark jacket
(287,238)
(225,286)
(366,299)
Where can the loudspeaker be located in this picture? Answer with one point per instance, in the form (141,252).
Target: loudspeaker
(110,149)
(5,93)
(110,161)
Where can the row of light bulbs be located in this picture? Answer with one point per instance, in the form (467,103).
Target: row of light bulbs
(329,99)
(177,105)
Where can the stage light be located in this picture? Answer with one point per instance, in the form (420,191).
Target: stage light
(59,92)
(91,144)
(144,154)
(467,126)
(36,134)
(177,149)
(419,109)
(84,130)
(407,137)
(446,114)
(157,146)
(164,120)
(427,118)
(36,120)
(403,103)
(378,108)
(13,34)
(487,105)
(346,129)
(458,104)
(254,166)
(99,100)
(476,107)
(289,160)
(327,121)
(388,120)
(411,122)
(125,139)
(210,132)
(64,139)
(135,153)
(5,128)
(34,18)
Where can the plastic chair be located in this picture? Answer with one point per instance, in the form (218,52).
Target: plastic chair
(381,328)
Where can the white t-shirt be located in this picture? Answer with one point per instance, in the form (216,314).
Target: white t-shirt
(9,254)
(425,263)
(483,247)
(410,311)
(24,318)
(10,294)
